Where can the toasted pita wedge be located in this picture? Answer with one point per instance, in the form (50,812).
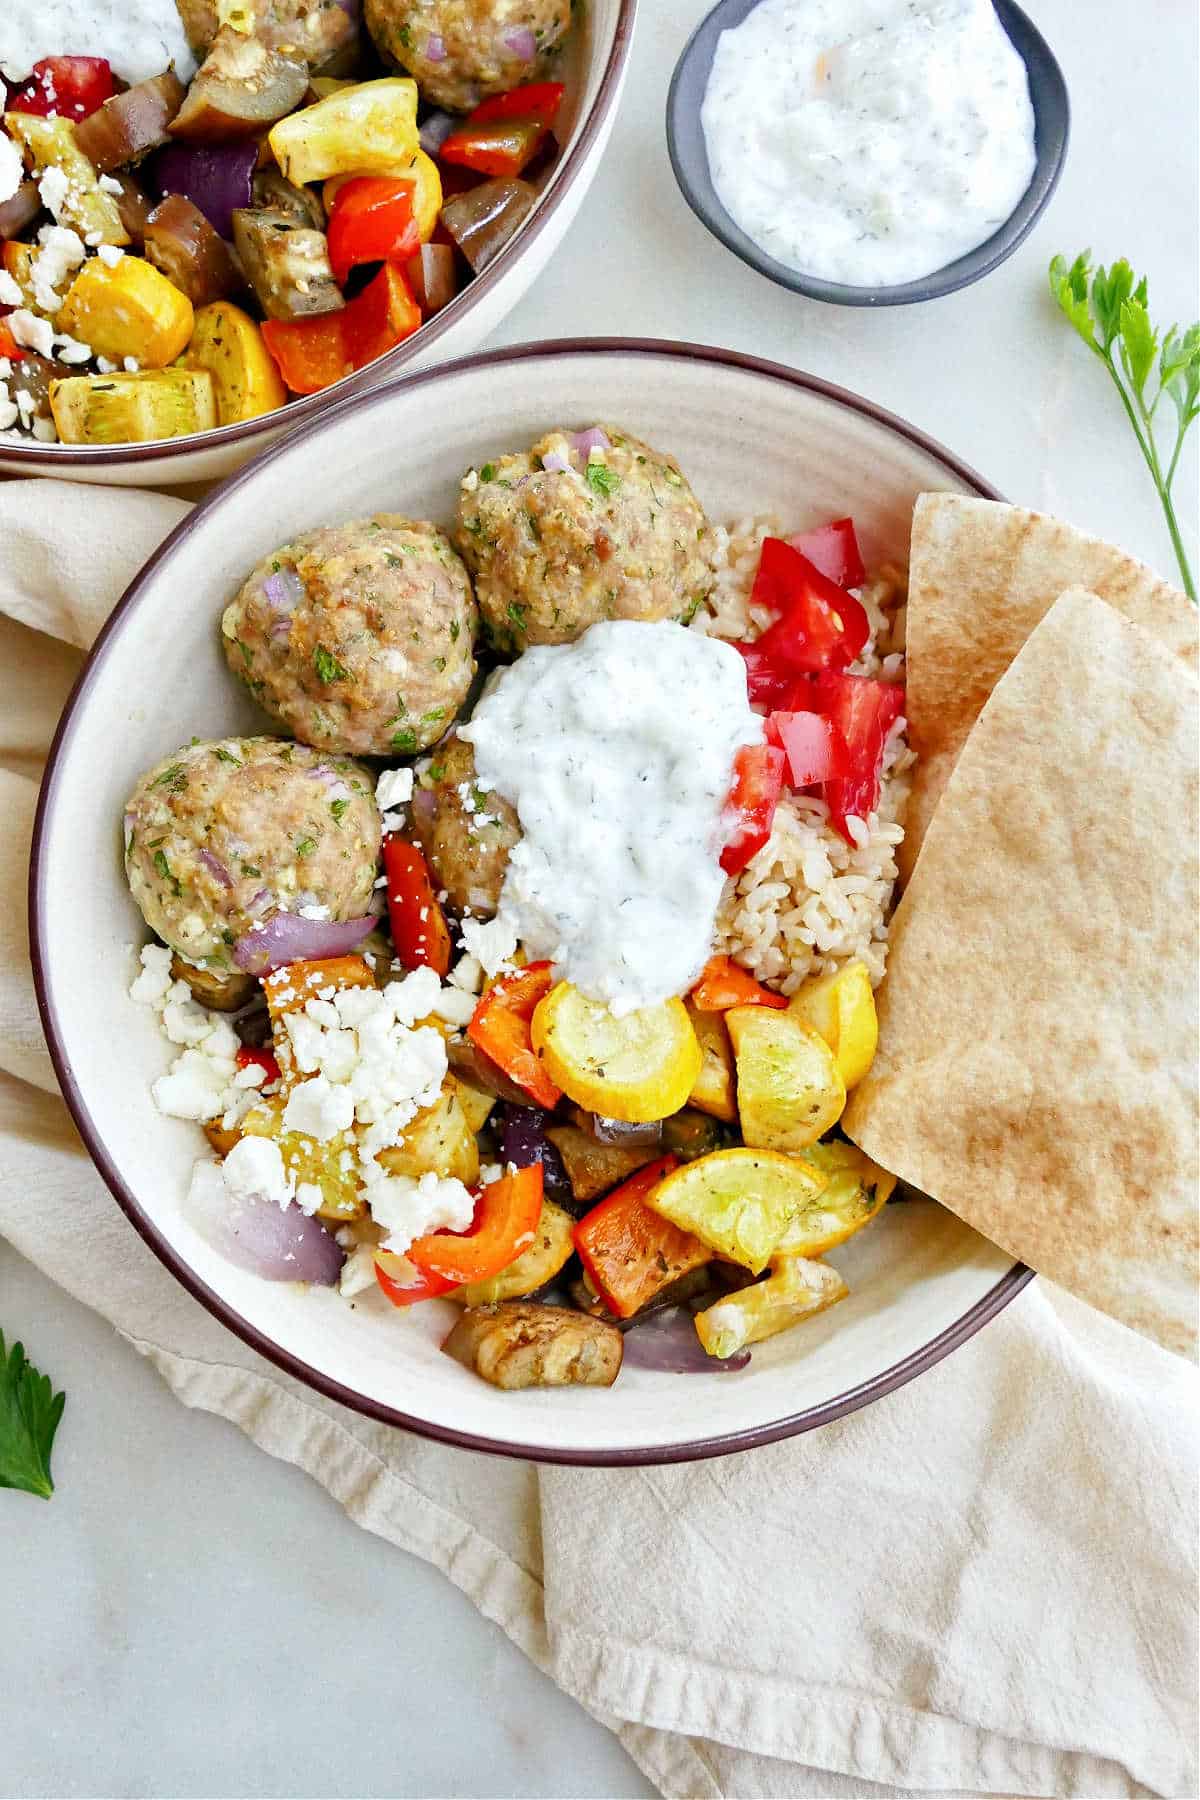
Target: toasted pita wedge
(982,576)
(1038,1035)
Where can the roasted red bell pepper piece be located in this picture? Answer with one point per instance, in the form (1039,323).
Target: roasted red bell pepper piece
(504,134)
(69,87)
(863,711)
(818,624)
(418,1284)
(372,221)
(833,549)
(8,344)
(420,935)
(500,1027)
(506,1217)
(813,745)
(381,317)
(724,983)
(631,1252)
(250,1058)
(757,779)
(539,100)
(310,354)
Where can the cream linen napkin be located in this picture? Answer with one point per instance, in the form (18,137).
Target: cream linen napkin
(984,1583)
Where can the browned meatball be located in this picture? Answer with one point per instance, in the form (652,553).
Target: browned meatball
(315,29)
(466,834)
(460,51)
(358,637)
(569,533)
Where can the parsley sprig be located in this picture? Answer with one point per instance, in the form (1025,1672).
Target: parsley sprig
(1109,308)
(29,1415)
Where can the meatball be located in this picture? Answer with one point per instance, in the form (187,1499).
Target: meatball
(460,51)
(466,834)
(314,29)
(358,637)
(565,535)
(220,836)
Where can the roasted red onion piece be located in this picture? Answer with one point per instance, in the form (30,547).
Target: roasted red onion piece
(216,179)
(287,938)
(20,210)
(667,1341)
(523,1141)
(279,1243)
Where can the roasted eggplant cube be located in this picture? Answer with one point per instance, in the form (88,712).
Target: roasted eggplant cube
(520,1344)
(242,87)
(286,263)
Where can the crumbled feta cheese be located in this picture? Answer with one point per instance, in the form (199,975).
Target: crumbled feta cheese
(407,1209)
(45,430)
(70,350)
(455,1006)
(394,788)
(467,974)
(132,365)
(358,1272)
(314,912)
(109,254)
(490,1172)
(254,1171)
(30,332)
(492,941)
(53,186)
(308,1197)
(154,980)
(195,1088)
(106,365)
(8,413)
(252,1076)
(318,1109)
(470,481)
(10,293)
(110,185)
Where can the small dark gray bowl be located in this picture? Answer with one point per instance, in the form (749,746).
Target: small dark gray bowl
(689,159)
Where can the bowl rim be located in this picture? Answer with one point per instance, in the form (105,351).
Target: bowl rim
(723,1444)
(1052,123)
(303,409)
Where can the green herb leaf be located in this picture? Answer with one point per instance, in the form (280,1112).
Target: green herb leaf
(173,778)
(1110,309)
(327,666)
(306,846)
(29,1414)
(405,742)
(338,809)
(488,472)
(224,755)
(601,479)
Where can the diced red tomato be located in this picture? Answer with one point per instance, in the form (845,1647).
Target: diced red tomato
(757,779)
(813,745)
(405,1284)
(420,935)
(818,624)
(833,549)
(71,87)
(724,983)
(372,221)
(506,1217)
(500,1026)
(863,712)
(250,1058)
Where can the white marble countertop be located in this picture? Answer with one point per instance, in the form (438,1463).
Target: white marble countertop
(188,1617)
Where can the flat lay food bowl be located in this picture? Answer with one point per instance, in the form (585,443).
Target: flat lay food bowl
(690,161)
(753,437)
(593,69)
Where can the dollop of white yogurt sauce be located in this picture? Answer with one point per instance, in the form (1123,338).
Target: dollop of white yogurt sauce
(139,37)
(617,753)
(870,142)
